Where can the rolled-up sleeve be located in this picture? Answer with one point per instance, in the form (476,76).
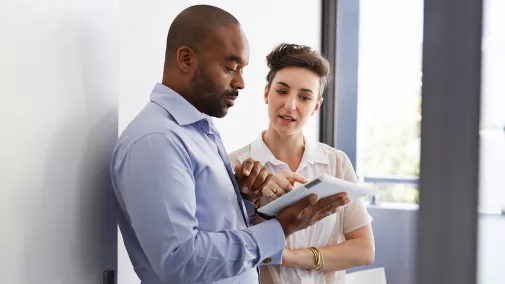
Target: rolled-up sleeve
(156,182)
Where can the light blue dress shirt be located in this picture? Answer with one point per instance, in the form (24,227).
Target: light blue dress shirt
(181,215)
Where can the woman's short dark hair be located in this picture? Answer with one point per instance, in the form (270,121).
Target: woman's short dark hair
(293,55)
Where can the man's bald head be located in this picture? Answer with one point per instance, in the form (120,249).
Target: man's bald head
(207,51)
(193,25)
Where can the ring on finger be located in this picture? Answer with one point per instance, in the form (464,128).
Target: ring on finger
(271,194)
(275,189)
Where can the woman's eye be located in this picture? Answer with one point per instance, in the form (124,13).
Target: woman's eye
(281,92)
(306,98)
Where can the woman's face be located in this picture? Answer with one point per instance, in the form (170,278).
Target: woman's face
(292,98)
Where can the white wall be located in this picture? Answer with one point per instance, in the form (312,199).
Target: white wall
(58,122)
(144,26)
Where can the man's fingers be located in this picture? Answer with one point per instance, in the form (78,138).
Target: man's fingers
(238,172)
(347,200)
(342,195)
(244,189)
(247,166)
(334,198)
(307,202)
(332,202)
(238,168)
(265,185)
(262,177)
(248,182)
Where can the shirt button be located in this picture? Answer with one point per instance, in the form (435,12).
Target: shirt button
(209,135)
(267,260)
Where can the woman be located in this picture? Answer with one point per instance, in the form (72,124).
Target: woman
(295,83)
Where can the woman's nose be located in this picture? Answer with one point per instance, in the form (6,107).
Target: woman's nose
(290,103)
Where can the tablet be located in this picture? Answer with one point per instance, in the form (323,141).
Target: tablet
(324,186)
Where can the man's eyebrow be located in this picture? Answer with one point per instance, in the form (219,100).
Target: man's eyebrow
(287,86)
(234,58)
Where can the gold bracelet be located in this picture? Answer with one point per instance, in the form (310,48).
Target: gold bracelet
(322,260)
(317,258)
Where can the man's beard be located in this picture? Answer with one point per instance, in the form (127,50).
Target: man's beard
(209,97)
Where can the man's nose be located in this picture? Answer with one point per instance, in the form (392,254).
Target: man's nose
(238,83)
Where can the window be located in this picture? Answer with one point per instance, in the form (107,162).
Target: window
(385,103)
(389,97)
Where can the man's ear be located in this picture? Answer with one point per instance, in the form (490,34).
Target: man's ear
(265,95)
(318,105)
(186,59)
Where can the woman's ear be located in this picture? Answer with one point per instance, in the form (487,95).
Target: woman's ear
(265,95)
(318,105)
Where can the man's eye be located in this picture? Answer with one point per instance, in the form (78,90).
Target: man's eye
(306,98)
(229,70)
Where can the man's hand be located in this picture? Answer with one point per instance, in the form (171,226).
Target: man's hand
(308,211)
(256,181)
(250,176)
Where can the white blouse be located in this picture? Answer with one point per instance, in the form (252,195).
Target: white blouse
(318,158)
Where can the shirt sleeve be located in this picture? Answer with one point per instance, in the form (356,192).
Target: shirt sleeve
(355,214)
(156,182)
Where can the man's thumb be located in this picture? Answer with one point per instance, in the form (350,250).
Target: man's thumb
(308,201)
(238,168)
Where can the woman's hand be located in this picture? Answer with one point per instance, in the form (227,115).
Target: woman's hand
(281,183)
(357,250)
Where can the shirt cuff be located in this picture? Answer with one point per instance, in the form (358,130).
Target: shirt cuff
(271,242)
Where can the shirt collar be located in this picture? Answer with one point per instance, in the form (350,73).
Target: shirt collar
(261,153)
(176,105)
(313,153)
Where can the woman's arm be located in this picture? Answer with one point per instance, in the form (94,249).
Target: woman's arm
(358,249)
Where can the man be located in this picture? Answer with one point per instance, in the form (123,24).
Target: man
(182,215)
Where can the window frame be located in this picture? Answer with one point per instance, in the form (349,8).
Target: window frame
(341,21)
(452,50)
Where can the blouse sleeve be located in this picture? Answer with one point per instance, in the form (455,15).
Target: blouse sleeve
(355,214)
